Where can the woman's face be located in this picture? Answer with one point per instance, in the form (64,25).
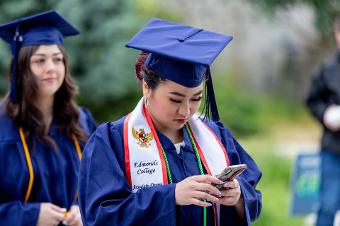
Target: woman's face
(48,67)
(171,105)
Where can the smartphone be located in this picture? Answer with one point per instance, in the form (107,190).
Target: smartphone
(229,174)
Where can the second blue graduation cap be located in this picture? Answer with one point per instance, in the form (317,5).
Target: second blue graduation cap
(181,53)
(43,28)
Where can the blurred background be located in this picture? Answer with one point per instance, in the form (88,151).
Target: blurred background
(260,79)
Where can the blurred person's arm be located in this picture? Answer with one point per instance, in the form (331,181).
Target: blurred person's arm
(321,101)
(318,99)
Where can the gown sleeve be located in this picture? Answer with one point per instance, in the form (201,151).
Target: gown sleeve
(105,198)
(17,213)
(12,210)
(248,181)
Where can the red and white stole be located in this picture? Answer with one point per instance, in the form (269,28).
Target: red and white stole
(144,161)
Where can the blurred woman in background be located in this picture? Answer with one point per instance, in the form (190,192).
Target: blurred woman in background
(43,130)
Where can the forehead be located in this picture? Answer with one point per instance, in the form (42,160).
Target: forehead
(169,86)
(47,49)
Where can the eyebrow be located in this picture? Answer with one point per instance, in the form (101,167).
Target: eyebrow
(182,95)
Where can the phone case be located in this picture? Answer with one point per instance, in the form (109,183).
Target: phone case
(230,173)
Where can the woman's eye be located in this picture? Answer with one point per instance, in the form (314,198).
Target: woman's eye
(175,101)
(39,61)
(197,99)
(58,60)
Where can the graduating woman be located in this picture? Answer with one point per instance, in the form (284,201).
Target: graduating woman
(43,130)
(157,165)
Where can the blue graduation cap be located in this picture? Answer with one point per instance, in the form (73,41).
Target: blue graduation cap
(181,53)
(45,28)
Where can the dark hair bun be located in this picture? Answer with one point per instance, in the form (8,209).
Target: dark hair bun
(140,64)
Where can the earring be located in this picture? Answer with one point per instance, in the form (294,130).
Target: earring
(146,101)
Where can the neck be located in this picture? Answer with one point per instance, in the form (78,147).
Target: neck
(174,136)
(45,105)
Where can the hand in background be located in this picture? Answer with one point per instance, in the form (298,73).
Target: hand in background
(331,118)
(73,217)
(50,214)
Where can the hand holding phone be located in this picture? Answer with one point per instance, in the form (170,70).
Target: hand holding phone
(229,174)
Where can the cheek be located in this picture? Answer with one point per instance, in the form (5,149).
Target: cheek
(36,71)
(194,107)
(170,109)
(164,107)
(165,110)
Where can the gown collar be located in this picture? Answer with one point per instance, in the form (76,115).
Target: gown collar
(167,143)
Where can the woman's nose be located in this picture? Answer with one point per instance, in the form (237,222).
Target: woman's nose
(50,65)
(184,110)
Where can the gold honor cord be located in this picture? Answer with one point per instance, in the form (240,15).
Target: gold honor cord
(76,144)
(29,162)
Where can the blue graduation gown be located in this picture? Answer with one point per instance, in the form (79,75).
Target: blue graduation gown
(105,198)
(55,171)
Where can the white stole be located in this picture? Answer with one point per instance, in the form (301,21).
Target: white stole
(144,161)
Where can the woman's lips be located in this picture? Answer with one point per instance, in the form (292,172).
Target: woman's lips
(49,80)
(181,121)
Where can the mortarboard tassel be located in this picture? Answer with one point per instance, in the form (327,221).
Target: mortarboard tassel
(15,50)
(211,107)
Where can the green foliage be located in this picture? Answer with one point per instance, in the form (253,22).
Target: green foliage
(247,112)
(103,67)
(239,112)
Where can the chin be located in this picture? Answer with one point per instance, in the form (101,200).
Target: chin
(48,92)
(178,126)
